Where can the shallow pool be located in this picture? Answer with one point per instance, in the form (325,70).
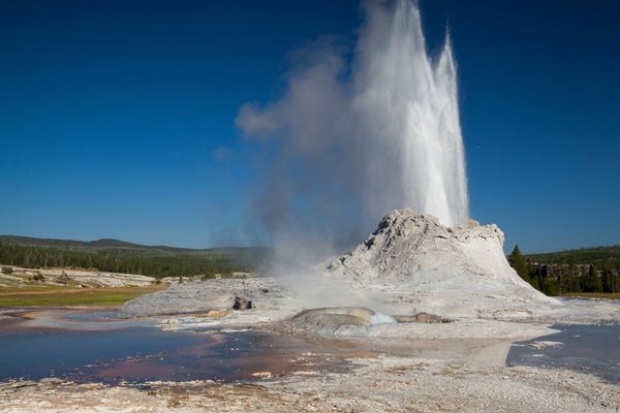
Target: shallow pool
(92,346)
(593,349)
(96,346)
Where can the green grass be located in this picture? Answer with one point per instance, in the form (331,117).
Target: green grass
(58,296)
(607,296)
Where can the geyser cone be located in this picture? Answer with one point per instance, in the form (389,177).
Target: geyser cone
(414,264)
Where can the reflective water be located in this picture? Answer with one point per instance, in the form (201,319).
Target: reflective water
(92,346)
(87,346)
(593,349)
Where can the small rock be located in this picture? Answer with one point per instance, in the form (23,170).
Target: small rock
(51,380)
(420,318)
(242,304)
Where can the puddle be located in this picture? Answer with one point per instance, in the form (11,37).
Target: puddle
(593,349)
(97,347)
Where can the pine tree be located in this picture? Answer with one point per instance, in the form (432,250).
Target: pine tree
(517,261)
(590,282)
(607,280)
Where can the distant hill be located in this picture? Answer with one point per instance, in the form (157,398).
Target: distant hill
(115,244)
(598,255)
(100,244)
(120,256)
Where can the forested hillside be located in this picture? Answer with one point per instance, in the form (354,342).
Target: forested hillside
(118,256)
(586,270)
(599,256)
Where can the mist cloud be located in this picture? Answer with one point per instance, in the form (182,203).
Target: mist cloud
(311,188)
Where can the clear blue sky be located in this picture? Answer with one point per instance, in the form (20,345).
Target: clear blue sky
(117,117)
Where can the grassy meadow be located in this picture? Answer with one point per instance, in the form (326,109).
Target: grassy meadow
(66,296)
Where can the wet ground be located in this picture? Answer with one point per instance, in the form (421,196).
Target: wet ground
(86,346)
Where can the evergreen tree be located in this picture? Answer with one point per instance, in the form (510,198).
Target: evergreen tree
(517,261)
(607,281)
(590,282)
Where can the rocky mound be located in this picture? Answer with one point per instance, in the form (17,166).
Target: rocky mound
(411,263)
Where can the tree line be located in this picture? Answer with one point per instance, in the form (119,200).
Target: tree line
(158,266)
(568,274)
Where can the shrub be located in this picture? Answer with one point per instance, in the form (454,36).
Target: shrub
(7,270)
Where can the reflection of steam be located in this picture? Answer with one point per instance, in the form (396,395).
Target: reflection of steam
(354,138)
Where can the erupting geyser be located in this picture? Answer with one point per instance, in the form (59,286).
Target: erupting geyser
(382,131)
(363,135)
(409,108)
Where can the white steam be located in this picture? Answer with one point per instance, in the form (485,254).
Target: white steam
(380,318)
(358,134)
